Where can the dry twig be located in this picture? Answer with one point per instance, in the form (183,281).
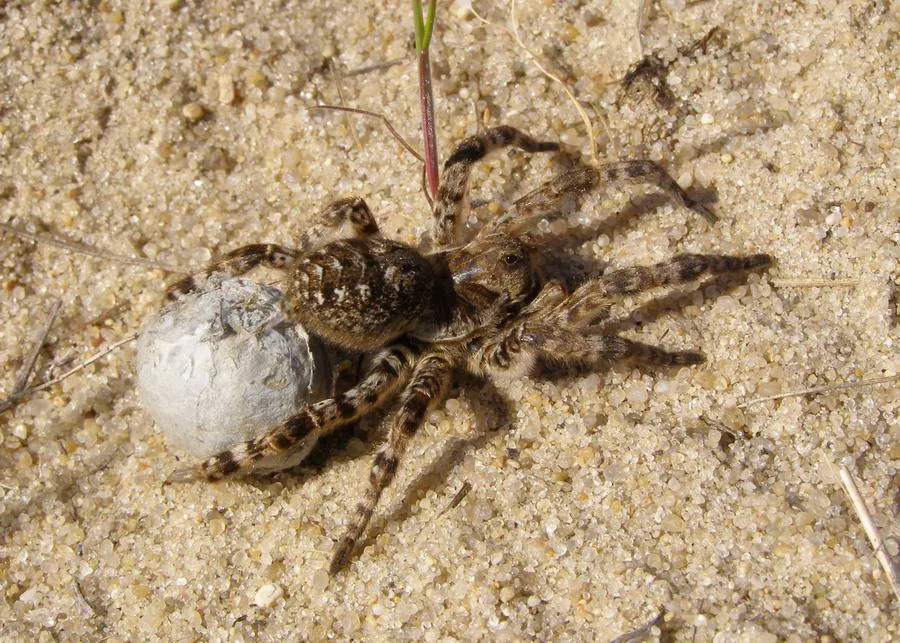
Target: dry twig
(28,367)
(84,599)
(514,32)
(359,71)
(639,27)
(862,512)
(384,119)
(336,77)
(641,633)
(13,399)
(458,498)
(815,283)
(823,389)
(721,427)
(85,249)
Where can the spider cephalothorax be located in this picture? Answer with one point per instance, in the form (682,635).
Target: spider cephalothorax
(482,305)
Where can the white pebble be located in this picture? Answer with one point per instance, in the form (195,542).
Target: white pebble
(320,580)
(28,596)
(636,392)
(267,594)
(833,217)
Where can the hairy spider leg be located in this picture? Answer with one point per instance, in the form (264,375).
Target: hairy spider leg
(353,210)
(236,263)
(548,200)
(451,198)
(591,301)
(557,331)
(298,435)
(426,387)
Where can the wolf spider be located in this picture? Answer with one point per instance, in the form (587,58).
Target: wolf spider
(483,305)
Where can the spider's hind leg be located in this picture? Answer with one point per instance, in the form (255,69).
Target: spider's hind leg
(299,434)
(351,210)
(236,263)
(426,387)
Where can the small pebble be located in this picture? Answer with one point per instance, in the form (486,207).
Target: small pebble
(320,580)
(833,217)
(193,111)
(257,79)
(636,392)
(227,92)
(267,595)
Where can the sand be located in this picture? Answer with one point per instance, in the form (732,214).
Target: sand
(171,131)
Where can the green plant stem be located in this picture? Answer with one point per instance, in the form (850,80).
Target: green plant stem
(429,139)
(424,27)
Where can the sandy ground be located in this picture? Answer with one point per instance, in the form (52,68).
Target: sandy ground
(174,130)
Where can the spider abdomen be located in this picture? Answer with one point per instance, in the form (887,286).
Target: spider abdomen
(360,293)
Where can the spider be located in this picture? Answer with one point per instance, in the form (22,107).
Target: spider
(484,305)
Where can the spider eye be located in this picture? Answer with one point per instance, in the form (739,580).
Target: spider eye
(510,259)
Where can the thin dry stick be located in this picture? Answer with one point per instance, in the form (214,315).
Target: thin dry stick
(815,283)
(424,186)
(822,389)
(458,498)
(642,632)
(81,595)
(721,427)
(514,32)
(862,511)
(85,249)
(31,360)
(639,27)
(514,29)
(340,90)
(13,399)
(384,119)
(359,71)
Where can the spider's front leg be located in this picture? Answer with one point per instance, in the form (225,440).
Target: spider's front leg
(548,200)
(565,346)
(353,211)
(554,325)
(451,198)
(678,270)
(514,354)
(236,263)
(509,353)
(592,300)
(427,385)
(298,435)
